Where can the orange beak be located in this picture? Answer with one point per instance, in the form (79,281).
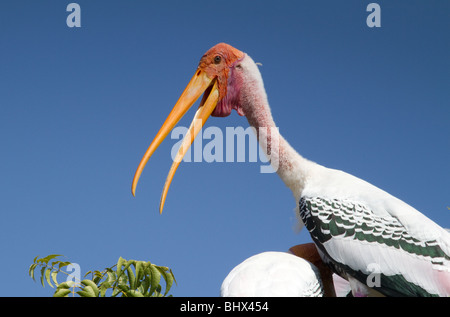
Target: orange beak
(199,83)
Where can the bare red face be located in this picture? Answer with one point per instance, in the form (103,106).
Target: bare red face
(219,62)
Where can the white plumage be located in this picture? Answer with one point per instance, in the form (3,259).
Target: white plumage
(376,234)
(413,261)
(272,274)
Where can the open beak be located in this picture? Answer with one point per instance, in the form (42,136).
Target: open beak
(199,83)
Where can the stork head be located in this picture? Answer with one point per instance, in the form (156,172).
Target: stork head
(219,62)
(214,78)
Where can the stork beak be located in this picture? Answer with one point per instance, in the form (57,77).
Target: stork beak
(199,83)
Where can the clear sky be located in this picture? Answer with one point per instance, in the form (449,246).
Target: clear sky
(79,107)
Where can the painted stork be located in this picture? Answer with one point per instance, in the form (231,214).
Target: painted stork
(361,231)
(299,272)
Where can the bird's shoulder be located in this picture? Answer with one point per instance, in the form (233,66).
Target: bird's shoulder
(332,184)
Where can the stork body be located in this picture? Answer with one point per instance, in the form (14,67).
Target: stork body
(364,234)
(273,274)
(361,231)
(299,272)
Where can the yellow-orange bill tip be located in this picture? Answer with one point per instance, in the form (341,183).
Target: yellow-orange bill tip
(196,86)
(202,114)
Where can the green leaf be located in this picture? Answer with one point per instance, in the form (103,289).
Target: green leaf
(154,278)
(157,292)
(54,274)
(173,276)
(63,289)
(115,292)
(92,285)
(122,280)
(127,264)
(133,293)
(145,284)
(61,292)
(123,288)
(168,277)
(49,257)
(87,291)
(103,288)
(63,264)
(111,277)
(139,270)
(31,270)
(120,263)
(97,277)
(42,275)
(66,285)
(131,278)
(47,276)
(89,272)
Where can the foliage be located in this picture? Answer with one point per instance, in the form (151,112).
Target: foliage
(126,278)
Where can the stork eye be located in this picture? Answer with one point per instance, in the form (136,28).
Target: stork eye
(217,59)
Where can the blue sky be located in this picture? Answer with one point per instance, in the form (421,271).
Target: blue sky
(79,107)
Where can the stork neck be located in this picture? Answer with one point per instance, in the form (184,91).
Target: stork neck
(289,165)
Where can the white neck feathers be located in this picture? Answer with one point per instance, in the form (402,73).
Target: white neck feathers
(290,166)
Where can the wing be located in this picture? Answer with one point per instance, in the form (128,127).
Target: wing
(377,250)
